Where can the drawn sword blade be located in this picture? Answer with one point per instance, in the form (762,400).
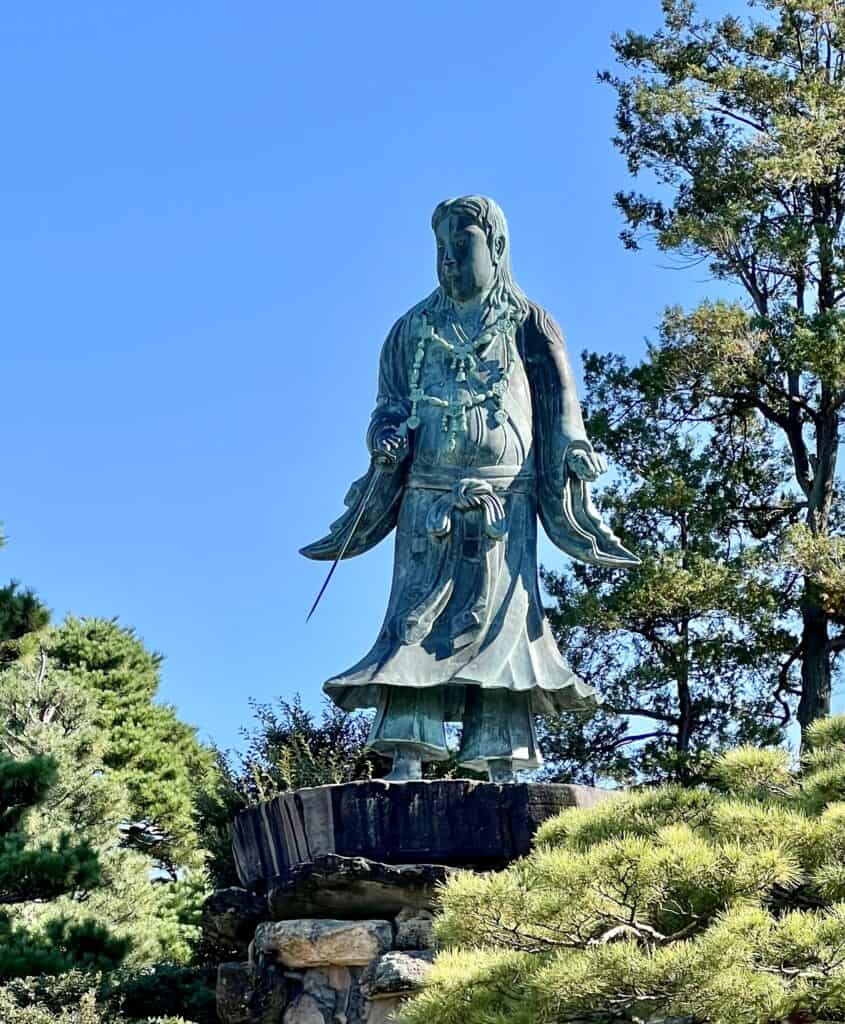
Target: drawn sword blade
(378,470)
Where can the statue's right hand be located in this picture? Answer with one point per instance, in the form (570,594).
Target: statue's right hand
(389,446)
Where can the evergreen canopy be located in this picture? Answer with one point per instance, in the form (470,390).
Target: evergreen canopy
(741,129)
(43,871)
(724,904)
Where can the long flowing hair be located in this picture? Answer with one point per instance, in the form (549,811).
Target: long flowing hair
(488,215)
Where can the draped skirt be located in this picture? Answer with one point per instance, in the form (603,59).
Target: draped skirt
(465,608)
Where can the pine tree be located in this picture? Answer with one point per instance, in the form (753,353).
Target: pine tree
(44,870)
(120,794)
(46,715)
(147,747)
(740,128)
(687,649)
(23,619)
(718,905)
(155,755)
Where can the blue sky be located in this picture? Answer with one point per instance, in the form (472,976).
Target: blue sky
(212,213)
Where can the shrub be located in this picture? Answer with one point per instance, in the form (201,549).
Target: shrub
(724,904)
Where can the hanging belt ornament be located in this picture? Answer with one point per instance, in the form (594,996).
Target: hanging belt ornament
(468,496)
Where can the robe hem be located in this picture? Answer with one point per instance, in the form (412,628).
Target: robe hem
(572,696)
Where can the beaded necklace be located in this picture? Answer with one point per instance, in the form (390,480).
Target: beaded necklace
(464,357)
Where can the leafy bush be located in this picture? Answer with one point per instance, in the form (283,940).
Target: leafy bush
(165,992)
(157,996)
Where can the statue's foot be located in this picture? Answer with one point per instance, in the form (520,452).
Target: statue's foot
(500,769)
(406,768)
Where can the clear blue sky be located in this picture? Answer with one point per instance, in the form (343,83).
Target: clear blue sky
(212,213)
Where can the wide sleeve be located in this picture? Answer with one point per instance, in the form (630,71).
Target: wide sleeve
(381,487)
(567,512)
(392,403)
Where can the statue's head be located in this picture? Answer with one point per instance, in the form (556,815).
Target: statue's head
(473,251)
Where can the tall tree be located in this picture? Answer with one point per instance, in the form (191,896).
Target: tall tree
(49,871)
(151,751)
(741,127)
(155,755)
(48,719)
(687,649)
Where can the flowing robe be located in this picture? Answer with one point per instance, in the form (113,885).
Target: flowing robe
(465,606)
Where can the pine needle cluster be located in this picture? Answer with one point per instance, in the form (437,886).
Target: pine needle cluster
(723,904)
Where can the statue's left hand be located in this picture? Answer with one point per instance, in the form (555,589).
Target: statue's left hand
(585,463)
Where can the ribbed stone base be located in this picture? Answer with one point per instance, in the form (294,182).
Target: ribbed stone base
(456,822)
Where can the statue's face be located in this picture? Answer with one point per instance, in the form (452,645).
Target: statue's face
(465,266)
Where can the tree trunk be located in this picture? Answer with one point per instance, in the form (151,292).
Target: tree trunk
(815,667)
(815,642)
(685,712)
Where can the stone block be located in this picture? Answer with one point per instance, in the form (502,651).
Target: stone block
(234,993)
(247,995)
(327,943)
(305,1010)
(340,978)
(329,987)
(414,929)
(353,887)
(230,916)
(396,974)
(382,1011)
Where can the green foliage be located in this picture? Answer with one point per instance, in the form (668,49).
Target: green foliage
(687,649)
(750,771)
(165,992)
(721,904)
(178,906)
(738,126)
(23,618)
(480,985)
(57,946)
(47,718)
(147,748)
(23,784)
(83,1012)
(289,748)
(821,560)
(44,872)
(157,996)
(85,751)
(69,998)
(221,797)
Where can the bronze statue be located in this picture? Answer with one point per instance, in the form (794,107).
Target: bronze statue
(476,431)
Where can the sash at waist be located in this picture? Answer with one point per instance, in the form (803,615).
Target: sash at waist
(445,478)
